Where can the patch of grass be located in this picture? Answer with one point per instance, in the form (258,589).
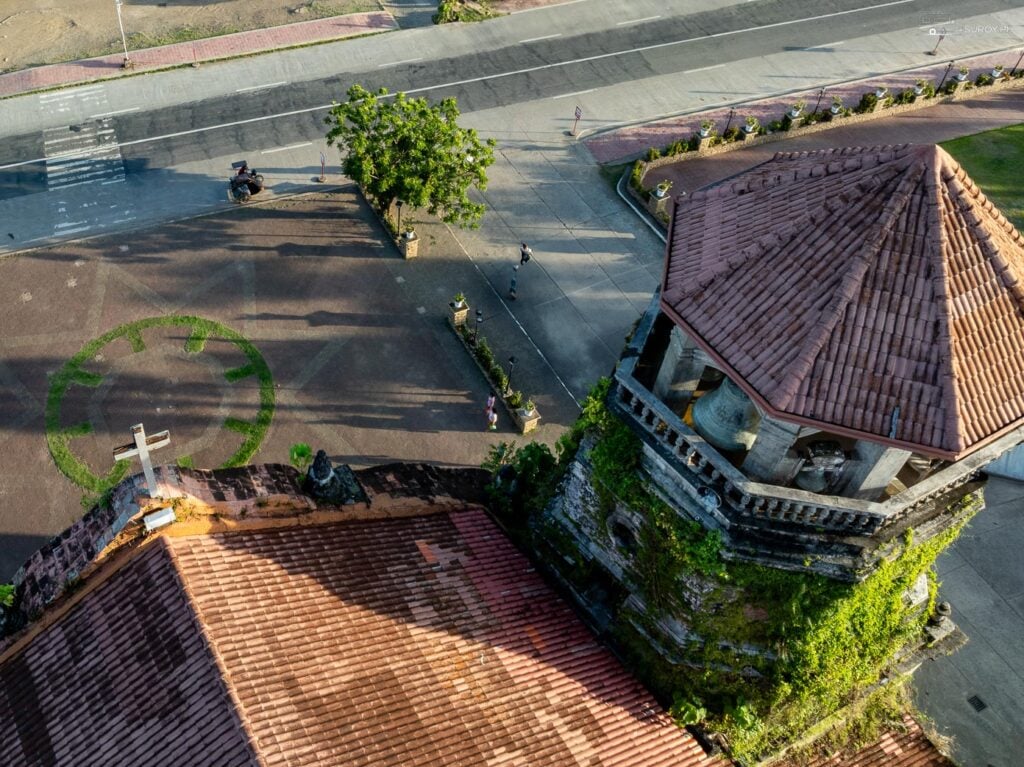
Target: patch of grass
(186,462)
(994,159)
(58,437)
(237,374)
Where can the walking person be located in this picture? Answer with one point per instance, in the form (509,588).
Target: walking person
(524,254)
(512,287)
(492,420)
(490,403)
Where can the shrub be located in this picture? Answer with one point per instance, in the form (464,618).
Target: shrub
(731,134)
(984,79)
(447,12)
(867,103)
(652,154)
(515,399)
(694,142)
(300,455)
(676,147)
(685,711)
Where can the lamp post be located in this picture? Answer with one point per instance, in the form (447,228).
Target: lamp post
(476,329)
(124,42)
(729,121)
(398,204)
(511,367)
(944,76)
(1019,59)
(821,93)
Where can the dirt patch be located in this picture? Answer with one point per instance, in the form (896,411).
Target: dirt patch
(34,32)
(37,32)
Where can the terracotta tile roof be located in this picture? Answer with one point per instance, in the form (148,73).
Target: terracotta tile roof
(126,677)
(418,640)
(909,748)
(871,291)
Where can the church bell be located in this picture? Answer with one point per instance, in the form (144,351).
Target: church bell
(726,417)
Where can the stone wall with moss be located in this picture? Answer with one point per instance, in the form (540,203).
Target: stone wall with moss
(756,654)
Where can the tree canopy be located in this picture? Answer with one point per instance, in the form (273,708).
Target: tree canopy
(399,148)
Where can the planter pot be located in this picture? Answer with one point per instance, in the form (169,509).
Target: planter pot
(704,132)
(996,74)
(749,129)
(961,77)
(793,114)
(880,93)
(835,110)
(918,90)
(660,193)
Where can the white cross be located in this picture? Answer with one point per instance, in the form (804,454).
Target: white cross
(141,448)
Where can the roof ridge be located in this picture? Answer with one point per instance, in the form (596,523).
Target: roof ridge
(211,646)
(853,278)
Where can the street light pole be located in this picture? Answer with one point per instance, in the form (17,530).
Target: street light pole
(124,42)
(398,204)
(944,76)
(821,93)
(511,367)
(1019,59)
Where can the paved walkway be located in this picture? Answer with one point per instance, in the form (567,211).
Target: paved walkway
(196,52)
(630,142)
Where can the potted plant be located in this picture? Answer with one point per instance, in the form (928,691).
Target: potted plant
(997,71)
(529,407)
(837,105)
(662,188)
(458,310)
(796,109)
(751,125)
(706,127)
(962,73)
(919,87)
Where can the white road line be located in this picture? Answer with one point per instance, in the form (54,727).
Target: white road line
(397,63)
(542,37)
(453,83)
(69,223)
(285,148)
(704,69)
(260,87)
(576,93)
(115,112)
(637,21)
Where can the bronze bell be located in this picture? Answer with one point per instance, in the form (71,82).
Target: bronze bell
(726,417)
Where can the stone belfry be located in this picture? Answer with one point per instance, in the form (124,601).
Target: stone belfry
(837,347)
(834,354)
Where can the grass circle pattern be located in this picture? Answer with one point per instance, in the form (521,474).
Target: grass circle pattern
(200,329)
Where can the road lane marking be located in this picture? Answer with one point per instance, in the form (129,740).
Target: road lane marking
(542,37)
(704,69)
(482,78)
(115,112)
(397,63)
(260,87)
(637,21)
(285,148)
(575,93)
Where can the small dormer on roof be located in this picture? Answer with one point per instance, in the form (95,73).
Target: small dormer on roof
(873,292)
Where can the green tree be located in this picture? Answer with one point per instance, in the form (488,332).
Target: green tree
(406,149)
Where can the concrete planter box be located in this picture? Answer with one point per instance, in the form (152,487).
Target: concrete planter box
(457,314)
(526,422)
(409,246)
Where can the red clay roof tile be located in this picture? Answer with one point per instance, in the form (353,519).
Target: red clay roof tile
(838,286)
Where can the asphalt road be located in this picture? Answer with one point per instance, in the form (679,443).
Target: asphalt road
(508,72)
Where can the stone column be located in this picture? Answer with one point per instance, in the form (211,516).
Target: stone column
(873,469)
(680,370)
(771,458)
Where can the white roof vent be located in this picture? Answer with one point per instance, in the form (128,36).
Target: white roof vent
(159,518)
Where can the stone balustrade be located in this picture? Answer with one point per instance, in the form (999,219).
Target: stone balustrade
(725,498)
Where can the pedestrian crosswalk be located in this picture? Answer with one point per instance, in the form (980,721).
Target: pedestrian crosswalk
(85,152)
